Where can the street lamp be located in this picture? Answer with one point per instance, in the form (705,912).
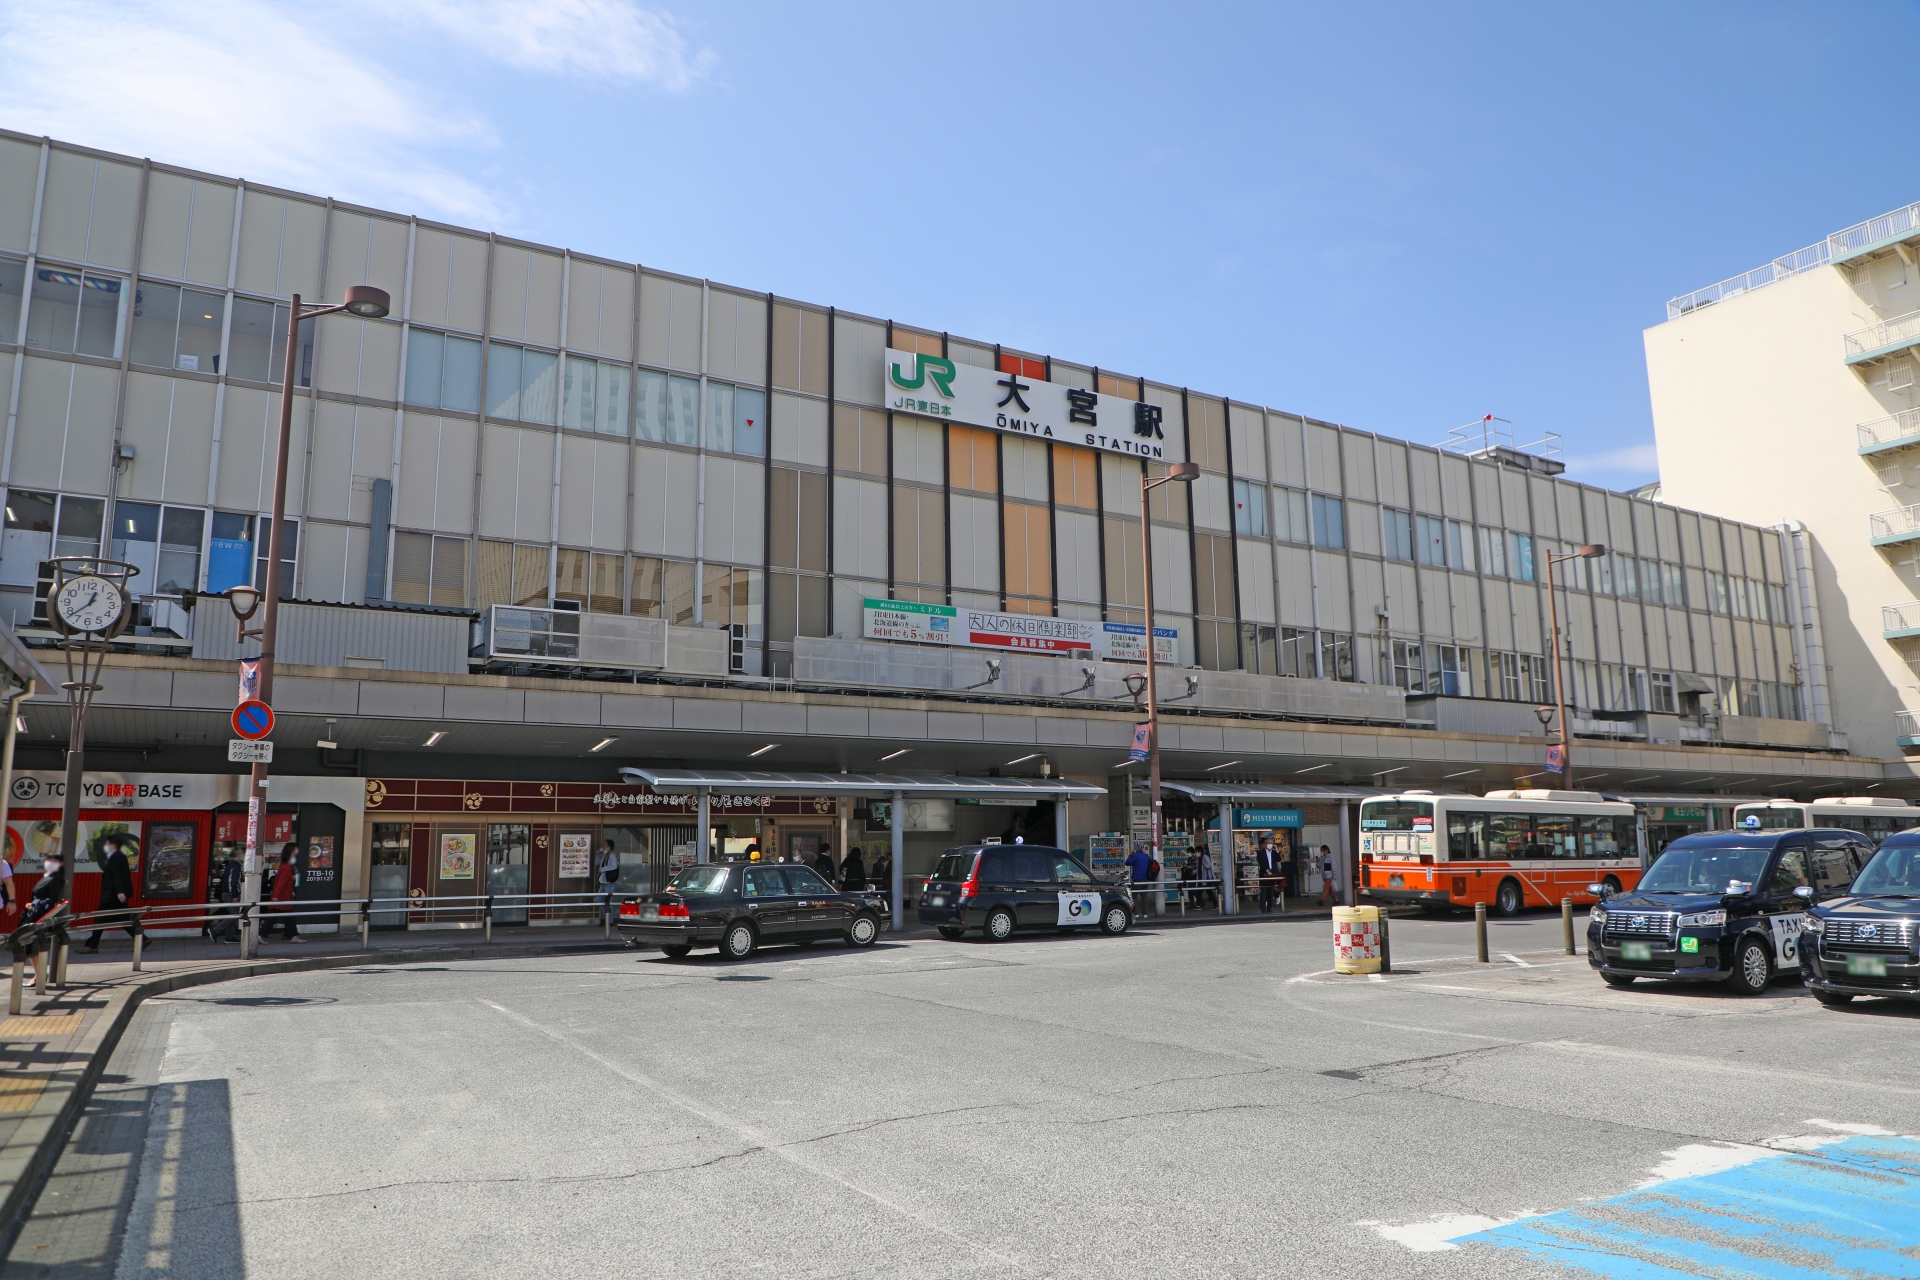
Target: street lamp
(368,303)
(1587,552)
(1186,473)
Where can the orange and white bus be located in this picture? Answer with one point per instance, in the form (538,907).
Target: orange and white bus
(1875,817)
(1508,849)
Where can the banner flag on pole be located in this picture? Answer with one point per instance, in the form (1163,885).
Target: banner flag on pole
(1556,758)
(1140,735)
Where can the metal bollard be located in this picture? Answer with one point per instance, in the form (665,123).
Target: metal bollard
(488,928)
(43,968)
(366,921)
(19,979)
(1566,923)
(60,970)
(138,939)
(1480,930)
(1386,943)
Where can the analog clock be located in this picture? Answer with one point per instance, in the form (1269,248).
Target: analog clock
(89,603)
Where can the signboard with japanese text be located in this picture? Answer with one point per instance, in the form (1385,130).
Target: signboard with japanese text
(1030,633)
(47,788)
(1028,406)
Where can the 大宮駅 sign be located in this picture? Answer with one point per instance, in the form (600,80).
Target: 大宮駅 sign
(1033,633)
(942,388)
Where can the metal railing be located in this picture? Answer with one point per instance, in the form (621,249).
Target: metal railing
(1906,724)
(1900,617)
(1899,331)
(1864,235)
(1901,522)
(1814,255)
(1896,428)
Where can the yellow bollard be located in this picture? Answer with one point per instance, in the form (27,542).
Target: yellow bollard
(1356,940)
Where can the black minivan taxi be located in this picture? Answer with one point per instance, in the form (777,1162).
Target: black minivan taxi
(1867,943)
(1723,906)
(997,888)
(741,906)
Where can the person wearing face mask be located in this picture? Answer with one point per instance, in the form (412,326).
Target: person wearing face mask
(49,893)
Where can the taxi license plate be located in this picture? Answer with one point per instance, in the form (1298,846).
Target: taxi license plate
(649,911)
(1636,951)
(1867,966)
(936,899)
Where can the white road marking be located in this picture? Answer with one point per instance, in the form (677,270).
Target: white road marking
(1508,955)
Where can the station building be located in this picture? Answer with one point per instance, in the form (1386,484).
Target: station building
(559,516)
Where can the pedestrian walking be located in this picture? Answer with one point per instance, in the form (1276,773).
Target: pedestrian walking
(609,873)
(824,865)
(883,873)
(853,871)
(1267,866)
(228,889)
(1329,880)
(10,891)
(116,894)
(286,878)
(1206,874)
(49,893)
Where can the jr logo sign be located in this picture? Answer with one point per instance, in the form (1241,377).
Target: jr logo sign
(935,369)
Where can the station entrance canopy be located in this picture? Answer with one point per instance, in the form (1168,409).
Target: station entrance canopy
(898,788)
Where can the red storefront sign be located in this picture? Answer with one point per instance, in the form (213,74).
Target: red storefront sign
(446,795)
(274,827)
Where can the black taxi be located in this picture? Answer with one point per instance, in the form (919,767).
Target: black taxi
(742,906)
(997,888)
(1867,943)
(1723,906)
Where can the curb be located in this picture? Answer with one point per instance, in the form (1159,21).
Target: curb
(29,1156)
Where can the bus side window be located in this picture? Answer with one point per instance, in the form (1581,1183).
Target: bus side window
(1509,835)
(1598,838)
(1464,836)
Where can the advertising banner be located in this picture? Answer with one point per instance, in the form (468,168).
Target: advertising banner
(1032,633)
(1029,406)
(1142,740)
(576,855)
(457,856)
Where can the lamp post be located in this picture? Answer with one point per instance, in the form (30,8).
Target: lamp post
(1186,473)
(368,303)
(1587,552)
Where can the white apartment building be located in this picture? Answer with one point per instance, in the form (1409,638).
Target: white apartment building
(1786,396)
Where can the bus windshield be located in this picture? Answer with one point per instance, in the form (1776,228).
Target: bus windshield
(1770,819)
(1396,815)
(1893,873)
(1708,870)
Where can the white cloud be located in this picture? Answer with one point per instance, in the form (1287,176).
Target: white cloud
(1637,459)
(299,96)
(611,39)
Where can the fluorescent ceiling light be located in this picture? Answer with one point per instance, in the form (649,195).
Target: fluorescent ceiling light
(1210,768)
(435,736)
(1310,768)
(762,751)
(1031,755)
(897,754)
(603,743)
(20,723)
(1463,773)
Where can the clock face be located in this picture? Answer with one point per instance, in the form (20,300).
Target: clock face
(89,603)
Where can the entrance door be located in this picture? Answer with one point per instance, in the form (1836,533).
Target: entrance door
(507,870)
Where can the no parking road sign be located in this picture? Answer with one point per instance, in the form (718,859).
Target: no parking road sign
(253,719)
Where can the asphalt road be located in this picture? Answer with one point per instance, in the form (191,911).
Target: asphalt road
(1191,1102)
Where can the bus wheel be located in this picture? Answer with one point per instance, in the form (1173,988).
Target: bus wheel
(1612,883)
(1508,900)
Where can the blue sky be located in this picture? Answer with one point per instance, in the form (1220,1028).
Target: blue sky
(1396,216)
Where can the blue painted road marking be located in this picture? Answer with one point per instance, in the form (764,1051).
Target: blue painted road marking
(1849,1208)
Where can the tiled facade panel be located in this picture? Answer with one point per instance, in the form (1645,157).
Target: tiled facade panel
(19,182)
(188,233)
(786,468)
(665,483)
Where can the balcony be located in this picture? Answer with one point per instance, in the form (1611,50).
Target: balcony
(1814,255)
(1906,728)
(1902,524)
(1878,342)
(1890,434)
(1875,235)
(1900,621)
